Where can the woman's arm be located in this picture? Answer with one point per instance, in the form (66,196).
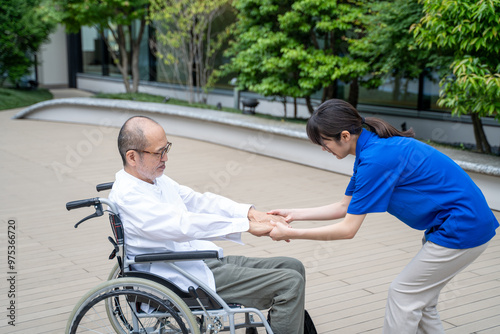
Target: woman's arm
(327,212)
(346,229)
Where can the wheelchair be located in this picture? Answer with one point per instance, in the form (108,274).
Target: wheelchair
(139,302)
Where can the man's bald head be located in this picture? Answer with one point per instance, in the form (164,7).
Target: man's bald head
(132,135)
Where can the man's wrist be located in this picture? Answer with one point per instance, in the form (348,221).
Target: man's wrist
(251,213)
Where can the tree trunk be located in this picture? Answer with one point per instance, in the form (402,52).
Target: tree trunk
(295,107)
(136,44)
(310,107)
(124,59)
(135,71)
(353,93)
(122,62)
(477,137)
(134,64)
(397,88)
(329,92)
(284,104)
(192,63)
(482,144)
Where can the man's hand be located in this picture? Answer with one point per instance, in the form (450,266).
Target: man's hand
(261,224)
(260,229)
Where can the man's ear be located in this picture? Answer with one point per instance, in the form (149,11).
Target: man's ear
(131,157)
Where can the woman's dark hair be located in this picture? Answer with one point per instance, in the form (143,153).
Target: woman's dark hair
(334,116)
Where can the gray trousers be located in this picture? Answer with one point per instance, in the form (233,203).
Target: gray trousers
(413,295)
(277,283)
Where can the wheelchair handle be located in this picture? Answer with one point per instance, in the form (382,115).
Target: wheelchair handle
(104,186)
(96,202)
(82,203)
(90,202)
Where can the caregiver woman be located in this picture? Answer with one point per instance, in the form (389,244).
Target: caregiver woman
(412,181)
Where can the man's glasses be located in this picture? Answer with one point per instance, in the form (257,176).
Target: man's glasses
(164,150)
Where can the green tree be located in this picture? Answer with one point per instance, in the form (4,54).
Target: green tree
(469,29)
(296,48)
(322,51)
(25,26)
(389,47)
(189,37)
(256,52)
(125,20)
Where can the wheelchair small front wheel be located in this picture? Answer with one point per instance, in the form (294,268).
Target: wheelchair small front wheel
(131,305)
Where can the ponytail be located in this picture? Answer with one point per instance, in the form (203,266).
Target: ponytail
(385,130)
(334,116)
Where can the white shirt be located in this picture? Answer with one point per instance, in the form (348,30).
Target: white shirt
(167,216)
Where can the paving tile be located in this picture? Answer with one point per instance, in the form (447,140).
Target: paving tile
(347,280)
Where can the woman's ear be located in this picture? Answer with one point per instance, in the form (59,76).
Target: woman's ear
(345,136)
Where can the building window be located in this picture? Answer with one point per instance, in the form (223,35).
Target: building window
(395,92)
(91,51)
(99,58)
(430,92)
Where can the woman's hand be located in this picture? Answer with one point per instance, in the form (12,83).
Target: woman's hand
(279,232)
(285,213)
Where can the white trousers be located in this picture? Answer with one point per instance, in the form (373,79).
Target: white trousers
(413,295)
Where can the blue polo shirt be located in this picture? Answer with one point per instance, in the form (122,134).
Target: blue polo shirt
(422,187)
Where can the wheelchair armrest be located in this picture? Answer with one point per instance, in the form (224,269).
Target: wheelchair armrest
(177,256)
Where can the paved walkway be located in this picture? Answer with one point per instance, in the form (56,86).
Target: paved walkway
(46,164)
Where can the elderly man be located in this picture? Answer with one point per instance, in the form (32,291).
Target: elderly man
(159,215)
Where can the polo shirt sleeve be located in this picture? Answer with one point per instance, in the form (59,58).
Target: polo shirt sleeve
(351,186)
(212,203)
(155,214)
(371,187)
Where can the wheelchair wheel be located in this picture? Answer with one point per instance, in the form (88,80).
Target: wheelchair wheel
(131,305)
(115,272)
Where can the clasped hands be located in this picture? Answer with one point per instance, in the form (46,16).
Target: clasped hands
(267,224)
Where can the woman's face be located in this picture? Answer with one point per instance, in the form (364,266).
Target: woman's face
(341,148)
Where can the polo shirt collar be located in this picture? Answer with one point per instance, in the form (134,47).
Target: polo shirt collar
(363,138)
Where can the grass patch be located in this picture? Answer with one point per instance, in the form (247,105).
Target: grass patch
(144,97)
(16,98)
